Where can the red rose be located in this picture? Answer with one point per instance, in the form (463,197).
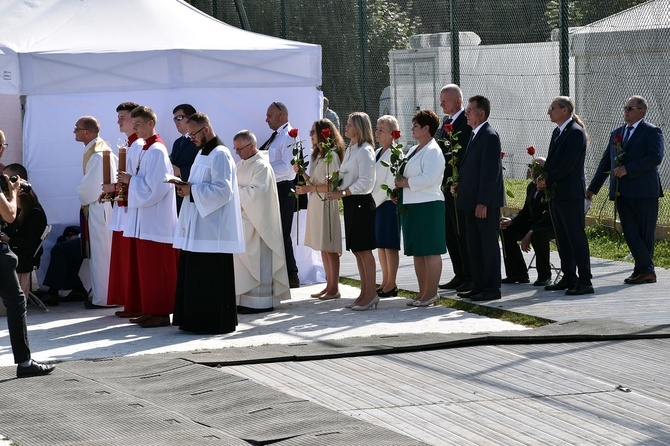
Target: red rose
(618,139)
(395,134)
(293,133)
(448,128)
(531,150)
(325,132)
(502,154)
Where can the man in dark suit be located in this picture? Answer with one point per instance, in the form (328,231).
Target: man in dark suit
(480,196)
(184,150)
(632,156)
(451,101)
(565,186)
(531,226)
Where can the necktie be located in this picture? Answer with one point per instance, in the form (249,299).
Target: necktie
(626,137)
(448,121)
(266,144)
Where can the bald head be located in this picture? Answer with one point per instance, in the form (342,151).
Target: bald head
(86,129)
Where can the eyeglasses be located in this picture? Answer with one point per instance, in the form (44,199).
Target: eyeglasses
(239,149)
(311,132)
(627,108)
(76,129)
(179,118)
(192,135)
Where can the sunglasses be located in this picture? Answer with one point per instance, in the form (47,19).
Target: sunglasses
(179,118)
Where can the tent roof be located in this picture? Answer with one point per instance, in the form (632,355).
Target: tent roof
(144,44)
(649,15)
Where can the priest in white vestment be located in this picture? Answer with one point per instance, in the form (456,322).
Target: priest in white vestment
(96,215)
(261,276)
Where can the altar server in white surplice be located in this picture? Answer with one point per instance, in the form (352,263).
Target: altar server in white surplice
(209,231)
(261,276)
(95,215)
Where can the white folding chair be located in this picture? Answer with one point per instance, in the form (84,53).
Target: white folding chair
(31,297)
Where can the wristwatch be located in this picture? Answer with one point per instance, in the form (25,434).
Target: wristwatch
(344,192)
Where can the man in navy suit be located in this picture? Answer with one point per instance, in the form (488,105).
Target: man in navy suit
(451,101)
(565,183)
(532,225)
(480,196)
(184,150)
(632,156)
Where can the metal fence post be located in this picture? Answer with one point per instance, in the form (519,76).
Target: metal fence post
(455,44)
(364,45)
(564,53)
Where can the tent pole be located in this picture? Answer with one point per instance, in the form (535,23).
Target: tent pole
(242,14)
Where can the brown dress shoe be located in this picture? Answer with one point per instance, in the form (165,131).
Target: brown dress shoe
(126,314)
(643,278)
(156,321)
(633,276)
(140,319)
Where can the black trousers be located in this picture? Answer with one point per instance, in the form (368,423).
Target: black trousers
(515,265)
(15,302)
(287,205)
(484,250)
(457,244)
(63,271)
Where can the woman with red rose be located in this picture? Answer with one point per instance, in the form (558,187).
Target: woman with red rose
(422,219)
(358,178)
(387,224)
(323,229)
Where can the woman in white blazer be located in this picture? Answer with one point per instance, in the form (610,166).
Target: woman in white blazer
(421,207)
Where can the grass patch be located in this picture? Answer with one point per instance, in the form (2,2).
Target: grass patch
(480,310)
(601,207)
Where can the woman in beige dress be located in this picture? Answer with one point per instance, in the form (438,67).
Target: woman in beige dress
(323,231)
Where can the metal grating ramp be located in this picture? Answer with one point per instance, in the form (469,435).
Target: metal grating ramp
(153,401)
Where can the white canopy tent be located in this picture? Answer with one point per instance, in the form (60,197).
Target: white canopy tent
(69,58)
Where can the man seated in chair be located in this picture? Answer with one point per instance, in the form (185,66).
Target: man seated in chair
(532,226)
(63,271)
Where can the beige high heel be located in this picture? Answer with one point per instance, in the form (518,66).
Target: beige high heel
(432,301)
(330,296)
(374,302)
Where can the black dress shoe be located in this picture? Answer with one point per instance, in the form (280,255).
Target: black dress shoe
(247,310)
(523,279)
(76,295)
(632,276)
(542,282)
(561,285)
(451,285)
(643,278)
(467,286)
(580,290)
(91,306)
(485,295)
(52,301)
(34,369)
(468,294)
(390,293)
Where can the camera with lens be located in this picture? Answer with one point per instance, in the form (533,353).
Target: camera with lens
(24,186)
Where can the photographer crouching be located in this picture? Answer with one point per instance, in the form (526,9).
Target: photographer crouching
(10,290)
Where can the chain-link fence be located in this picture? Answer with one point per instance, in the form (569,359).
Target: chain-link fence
(393,56)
